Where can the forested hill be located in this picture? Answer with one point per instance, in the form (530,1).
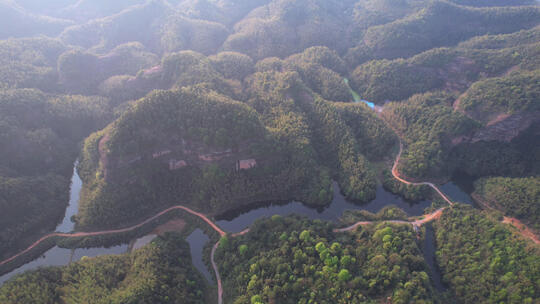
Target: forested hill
(39,136)
(223,105)
(159,273)
(518,197)
(218,154)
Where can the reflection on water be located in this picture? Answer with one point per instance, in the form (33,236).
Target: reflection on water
(385,198)
(197,240)
(429,255)
(143,241)
(94,252)
(54,257)
(76,184)
(456,194)
(464,181)
(235,221)
(59,257)
(241,219)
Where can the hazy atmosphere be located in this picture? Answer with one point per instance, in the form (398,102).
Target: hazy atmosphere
(269,151)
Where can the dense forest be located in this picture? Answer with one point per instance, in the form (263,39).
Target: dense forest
(293,260)
(225,105)
(280,119)
(515,158)
(39,135)
(517,197)
(161,272)
(452,69)
(482,262)
(515,93)
(426,122)
(207,134)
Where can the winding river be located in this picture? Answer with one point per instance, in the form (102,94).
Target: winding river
(76,185)
(428,250)
(197,240)
(233,222)
(238,220)
(60,256)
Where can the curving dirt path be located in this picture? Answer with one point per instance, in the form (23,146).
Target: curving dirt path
(240,233)
(522,228)
(214,265)
(107,232)
(417,223)
(428,218)
(395,173)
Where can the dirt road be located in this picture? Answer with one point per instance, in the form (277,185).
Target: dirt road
(427,218)
(107,232)
(396,175)
(522,228)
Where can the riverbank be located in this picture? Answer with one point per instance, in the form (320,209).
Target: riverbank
(100,238)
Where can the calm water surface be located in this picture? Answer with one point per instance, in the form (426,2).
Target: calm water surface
(197,240)
(59,256)
(241,219)
(232,222)
(456,194)
(429,249)
(238,220)
(76,184)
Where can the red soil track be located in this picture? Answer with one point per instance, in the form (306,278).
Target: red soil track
(106,232)
(240,233)
(522,229)
(428,218)
(395,173)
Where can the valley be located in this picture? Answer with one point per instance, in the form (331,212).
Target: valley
(269,151)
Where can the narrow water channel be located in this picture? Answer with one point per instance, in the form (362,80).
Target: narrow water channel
(60,256)
(76,184)
(241,219)
(238,220)
(429,250)
(235,221)
(197,240)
